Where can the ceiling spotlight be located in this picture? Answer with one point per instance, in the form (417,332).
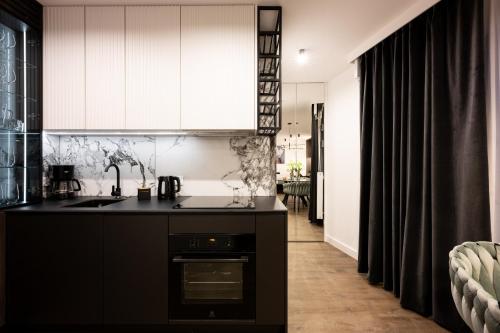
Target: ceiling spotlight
(302,56)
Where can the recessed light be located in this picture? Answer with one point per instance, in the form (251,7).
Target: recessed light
(302,57)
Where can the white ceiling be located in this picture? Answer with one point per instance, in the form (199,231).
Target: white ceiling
(329,30)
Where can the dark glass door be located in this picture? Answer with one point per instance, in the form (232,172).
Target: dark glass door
(213,282)
(20,112)
(211,287)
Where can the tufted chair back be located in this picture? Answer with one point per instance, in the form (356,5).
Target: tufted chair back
(475,284)
(289,188)
(302,188)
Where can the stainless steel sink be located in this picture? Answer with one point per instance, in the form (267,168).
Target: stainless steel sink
(95,203)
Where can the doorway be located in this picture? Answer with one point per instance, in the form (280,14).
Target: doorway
(294,159)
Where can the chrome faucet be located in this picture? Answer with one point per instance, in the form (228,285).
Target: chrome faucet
(115,192)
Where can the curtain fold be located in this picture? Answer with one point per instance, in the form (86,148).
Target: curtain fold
(424,171)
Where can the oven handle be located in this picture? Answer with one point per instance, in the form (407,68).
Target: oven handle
(208,260)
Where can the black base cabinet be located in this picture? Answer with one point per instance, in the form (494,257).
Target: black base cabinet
(54,269)
(271,269)
(109,272)
(135,269)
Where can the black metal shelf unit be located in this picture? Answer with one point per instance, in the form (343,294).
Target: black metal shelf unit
(269,76)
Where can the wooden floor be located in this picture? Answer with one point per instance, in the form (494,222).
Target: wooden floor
(299,227)
(326,294)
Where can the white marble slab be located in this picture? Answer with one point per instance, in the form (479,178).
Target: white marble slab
(207,165)
(201,162)
(134,155)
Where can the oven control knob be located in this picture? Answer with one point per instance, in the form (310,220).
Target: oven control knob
(212,241)
(229,243)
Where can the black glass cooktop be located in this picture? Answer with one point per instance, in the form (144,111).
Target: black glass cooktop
(216,203)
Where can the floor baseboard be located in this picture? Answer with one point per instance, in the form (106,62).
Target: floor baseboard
(342,247)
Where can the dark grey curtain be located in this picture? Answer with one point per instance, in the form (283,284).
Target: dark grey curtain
(424,172)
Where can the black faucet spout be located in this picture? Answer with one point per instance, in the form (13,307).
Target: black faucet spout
(115,192)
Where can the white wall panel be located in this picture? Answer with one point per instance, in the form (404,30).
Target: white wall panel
(492,8)
(218,67)
(152,67)
(342,162)
(105,67)
(63,68)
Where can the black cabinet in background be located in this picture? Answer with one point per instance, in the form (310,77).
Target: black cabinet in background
(54,269)
(135,269)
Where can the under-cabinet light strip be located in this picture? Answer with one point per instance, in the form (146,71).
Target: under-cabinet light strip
(150,133)
(111,133)
(25,106)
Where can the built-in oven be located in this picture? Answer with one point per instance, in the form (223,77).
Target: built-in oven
(212,277)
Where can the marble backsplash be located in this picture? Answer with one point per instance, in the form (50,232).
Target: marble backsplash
(207,165)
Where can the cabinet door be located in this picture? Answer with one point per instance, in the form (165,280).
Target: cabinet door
(63,68)
(105,67)
(54,269)
(135,269)
(271,248)
(218,88)
(152,67)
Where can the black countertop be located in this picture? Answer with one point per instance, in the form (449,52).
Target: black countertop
(153,206)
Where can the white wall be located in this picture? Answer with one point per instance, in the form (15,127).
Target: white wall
(342,162)
(493,107)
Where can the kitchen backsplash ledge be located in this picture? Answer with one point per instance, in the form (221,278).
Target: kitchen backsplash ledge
(208,165)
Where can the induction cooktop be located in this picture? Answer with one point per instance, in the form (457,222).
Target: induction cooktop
(216,203)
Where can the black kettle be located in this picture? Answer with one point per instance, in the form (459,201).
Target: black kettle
(168,186)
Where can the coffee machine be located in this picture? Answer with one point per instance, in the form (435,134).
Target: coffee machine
(63,185)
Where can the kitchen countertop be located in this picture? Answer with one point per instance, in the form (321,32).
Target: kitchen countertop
(153,206)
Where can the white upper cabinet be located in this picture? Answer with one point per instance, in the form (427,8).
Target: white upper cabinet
(150,68)
(152,43)
(63,68)
(105,67)
(218,59)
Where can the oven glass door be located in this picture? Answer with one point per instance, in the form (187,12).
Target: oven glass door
(211,281)
(213,287)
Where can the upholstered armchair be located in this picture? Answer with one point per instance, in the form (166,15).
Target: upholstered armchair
(301,189)
(475,284)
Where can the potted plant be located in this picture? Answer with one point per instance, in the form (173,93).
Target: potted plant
(294,168)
